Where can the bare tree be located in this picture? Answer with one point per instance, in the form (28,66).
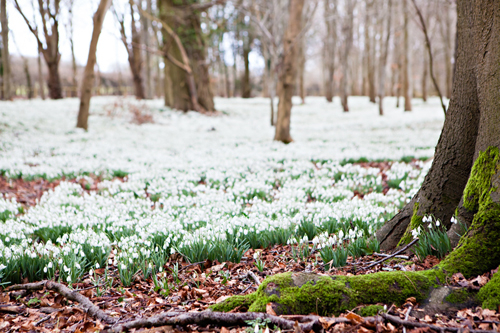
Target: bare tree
(329,46)
(385,38)
(288,76)
(347,33)
(146,39)
(88,76)
(70,32)
(49,12)
(406,58)
(6,88)
(26,68)
(40,74)
(133,46)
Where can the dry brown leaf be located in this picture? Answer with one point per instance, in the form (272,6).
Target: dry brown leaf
(412,300)
(296,327)
(224,330)
(269,309)
(326,323)
(354,318)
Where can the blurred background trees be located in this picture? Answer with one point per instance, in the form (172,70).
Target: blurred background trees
(188,51)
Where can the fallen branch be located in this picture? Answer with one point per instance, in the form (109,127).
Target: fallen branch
(392,255)
(252,275)
(388,255)
(72,295)
(223,319)
(409,323)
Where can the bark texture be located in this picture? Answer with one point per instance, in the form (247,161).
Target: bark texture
(185,22)
(49,16)
(471,126)
(5,55)
(286,84)
(406,58)
(329,46)
(347,31)
(88,76)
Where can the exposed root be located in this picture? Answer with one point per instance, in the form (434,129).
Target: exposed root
(85,303)
(227,319)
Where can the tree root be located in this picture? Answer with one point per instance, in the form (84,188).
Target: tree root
(72,295)
(307,323)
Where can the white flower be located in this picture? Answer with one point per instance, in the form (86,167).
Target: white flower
(97,266)
(45,269)
(78,265)
(438,223)
(91,272)
(68,278)
(123,266)
(50,264)
(453,220)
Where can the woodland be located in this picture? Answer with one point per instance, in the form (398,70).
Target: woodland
(258,166)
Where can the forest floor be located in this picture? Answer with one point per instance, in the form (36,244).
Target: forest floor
(123,213)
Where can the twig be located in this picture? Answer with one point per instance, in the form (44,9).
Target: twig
(392,255)
(254,277)
(96,286)
(42,320)
(409,323)
(406,317)
(221,318)
(190,265)
(72,295)
(387,255)
(429,50)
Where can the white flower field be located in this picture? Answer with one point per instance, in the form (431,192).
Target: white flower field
(206,187)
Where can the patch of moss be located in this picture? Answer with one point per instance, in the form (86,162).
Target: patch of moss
(416,221)
(301,293)
(370,310)
(490,293)
(234,302)
(480,251)
(461,296)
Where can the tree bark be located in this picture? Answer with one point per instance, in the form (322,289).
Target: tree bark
(329,46)
(406,59)
(347,30)
(40,75)
(383,58)
(7,89)
(74,88)
(88,76)
(146,39)
(185,21)
(456,149)
(5,55)
(50,52)
(425,73)
(287,80)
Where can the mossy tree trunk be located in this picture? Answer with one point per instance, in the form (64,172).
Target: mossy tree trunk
(442,188)
(478,79)
(184,19)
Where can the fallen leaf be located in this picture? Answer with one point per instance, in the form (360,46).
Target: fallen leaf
(326,323)
(354,318)
(269,309)
(296,327)
(224,330)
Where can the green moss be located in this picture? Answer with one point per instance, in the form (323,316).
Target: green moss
(416,221)
(479,252)
(234,302)
(461,296)
(370,310)
(301,293)
(490,293)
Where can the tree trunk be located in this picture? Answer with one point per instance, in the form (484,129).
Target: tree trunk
(329,45)
(475,100)
(183,84)
(302,67)
(88,76)
(28,78)
(287,80)
(425,73)
(7,89)
(40,76)
(54,80)
(441,190)
(347,30)
(406,59)
(246,88)
(383,58)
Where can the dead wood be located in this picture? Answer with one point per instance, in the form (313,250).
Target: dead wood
(306,323)
(392,255)
(85,303)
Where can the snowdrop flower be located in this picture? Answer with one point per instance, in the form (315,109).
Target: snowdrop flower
(78,265)
(123,266)
(97,266)
(91,272)
(45,269)
(68,278)
(438,223)
(50,264)
(453,220)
